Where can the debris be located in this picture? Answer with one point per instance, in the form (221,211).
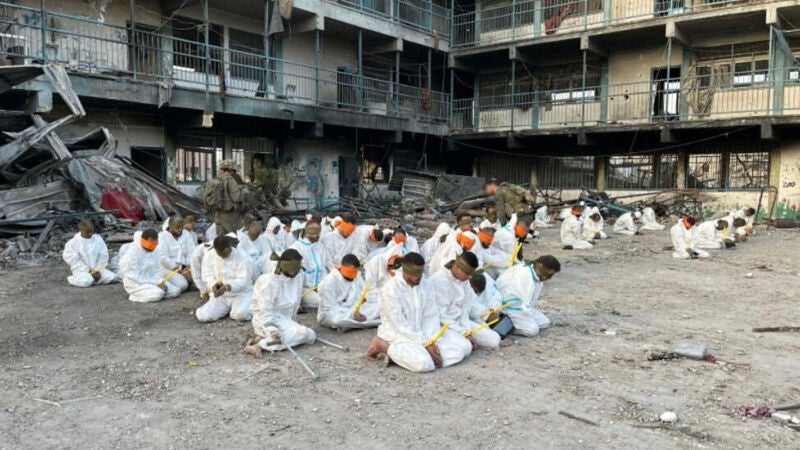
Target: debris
(578,418)
(668,417)
(691,350)
(756,412)
(343,348)
(776,329)
(59,403)
(787,407)
(302,362)
(252,374)
(749,275)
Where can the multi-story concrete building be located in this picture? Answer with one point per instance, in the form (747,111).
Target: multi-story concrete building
(631,95)
(623,96)
(311,85)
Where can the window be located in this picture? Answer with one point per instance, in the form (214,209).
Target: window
(642,172)
(570,173)
(748,170)
(746,73)
(189,51)
(247,59)
(565,84)
(196,159)
(704,171)
(249,151)
(704,74)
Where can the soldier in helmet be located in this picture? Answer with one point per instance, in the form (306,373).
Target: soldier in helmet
(223,198)
(509,199)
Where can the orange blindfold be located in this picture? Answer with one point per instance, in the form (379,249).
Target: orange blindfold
(348,272)
(347,228)
(399,238)
(520,231)
(485,237)
(465,241)
(149,244)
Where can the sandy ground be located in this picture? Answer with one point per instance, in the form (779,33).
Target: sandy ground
(150,376)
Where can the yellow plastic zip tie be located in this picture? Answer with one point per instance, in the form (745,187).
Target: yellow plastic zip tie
(436,336)
(514,255)
(98,268)
(497,309)
(168,276)
(480,327)
(361,298)
(308,291)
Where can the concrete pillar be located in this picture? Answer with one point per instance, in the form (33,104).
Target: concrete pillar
(600,164)
(534,173)
(681,169)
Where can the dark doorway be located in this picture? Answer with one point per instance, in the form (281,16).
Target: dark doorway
(151,160)
(666,91)
(348,177)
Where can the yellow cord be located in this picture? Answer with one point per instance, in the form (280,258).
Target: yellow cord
(98,268)
(436,336)
(308,291)
(361,299)
(514,255)
(498,308)
(168,276)
(480,327)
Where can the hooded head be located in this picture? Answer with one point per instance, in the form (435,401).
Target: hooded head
(274,225)
(86,228)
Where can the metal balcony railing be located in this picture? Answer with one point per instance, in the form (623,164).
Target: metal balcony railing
(422,15)
(86,46)
(690,98)
(533,18)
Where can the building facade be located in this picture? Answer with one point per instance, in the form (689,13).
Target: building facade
(624,96)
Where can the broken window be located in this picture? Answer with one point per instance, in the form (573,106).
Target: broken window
(196,159)
(642,172)
(565,83)
(248,152)
(704,171)
(748,170)
(567,173)
(189,50)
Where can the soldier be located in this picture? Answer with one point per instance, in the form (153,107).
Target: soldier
(509,199)
(222,197)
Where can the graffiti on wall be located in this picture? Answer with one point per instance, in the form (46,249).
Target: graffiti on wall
(789,186)
(317,180)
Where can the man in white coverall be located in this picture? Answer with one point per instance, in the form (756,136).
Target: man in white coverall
(593,225)
(684,240)
(455,244)
(522,285)
(649,221)
(227,274)
(254,243)
(276,299)
(142,271)
(87,256)
(711,233)
(572,231)
(337,243)
(340,291)
(454,297)
(431,245)
(409,322)
(313,263)
(626,223)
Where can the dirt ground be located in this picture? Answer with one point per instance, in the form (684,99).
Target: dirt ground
(86,368)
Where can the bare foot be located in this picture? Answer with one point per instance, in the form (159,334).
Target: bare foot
(387,361)
(254,350)
(376,348)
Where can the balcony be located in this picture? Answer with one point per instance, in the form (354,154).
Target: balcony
(517,20)
(86,46)
(691,98)
(422,15)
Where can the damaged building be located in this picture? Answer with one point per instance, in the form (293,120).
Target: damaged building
(348,96)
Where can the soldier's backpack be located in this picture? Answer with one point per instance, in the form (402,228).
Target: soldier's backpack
(214,194)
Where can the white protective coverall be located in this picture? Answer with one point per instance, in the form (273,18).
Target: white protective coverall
(684,241)
(707,236)
(86,255)
(171,257)
(572,234)
(520,284)
(454,300)
(211,232)
(749,221)
(313,270)
(409,317)
(430,246)
(362,244)
(448,251)
(488,299)
(338,297)
(625,225)
(377,275)
(141,271)
(409,246)
(542,218)
(276,299)
(198,254)
(334,248)
(649,220)
(235,270)
(258,251)
(593,229)
(277,241)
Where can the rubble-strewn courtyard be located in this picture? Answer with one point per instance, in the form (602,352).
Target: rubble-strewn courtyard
(86,368)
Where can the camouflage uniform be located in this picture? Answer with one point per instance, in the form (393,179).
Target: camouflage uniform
(227,215)
(511,199)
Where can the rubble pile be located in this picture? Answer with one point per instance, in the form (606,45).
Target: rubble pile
(45,180)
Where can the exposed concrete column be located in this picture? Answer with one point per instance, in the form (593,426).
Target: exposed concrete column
(513,87)
(600,164)
(317,38)
(534,172)
(537,18)
(397,82)
(775,176)
(166,52)
(133,61)
(477,26)
(681,170)
(360,96)
(43,12)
